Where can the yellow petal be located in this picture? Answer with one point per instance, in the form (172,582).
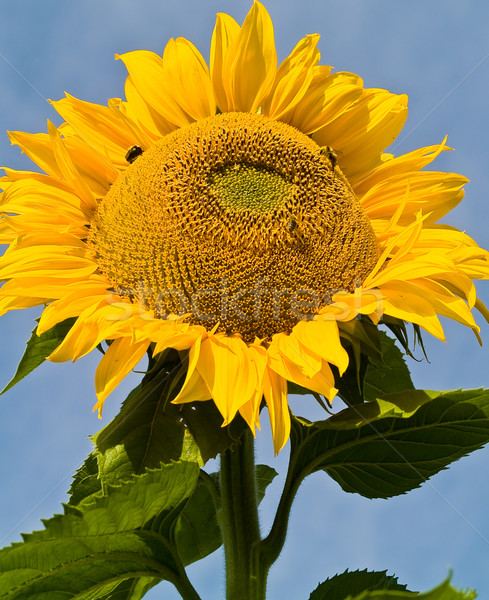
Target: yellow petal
(42,287)
(46,261)
(38,148)
(347,306)
(293,78)
(225,366)
(194,388)
(363,132)
(251,61)
(41,202)
(444,302)
(100,126)
(188,80)
(399,301)
(68,171)
(432,192)
(432,264)
(140,134)
(74,301)
(150,120)
(327,99)
(147,73)
(251,410)
(94,324)
(16,303)
(7,235)
(225,32)
(405,163)
(120,358)
(275,391)
(322,382)
(303,357)
(322,337)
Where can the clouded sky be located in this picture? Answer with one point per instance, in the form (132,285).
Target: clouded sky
(438,53)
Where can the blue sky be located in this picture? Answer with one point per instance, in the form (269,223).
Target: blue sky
(436,52)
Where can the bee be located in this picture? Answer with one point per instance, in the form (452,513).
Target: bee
(291,224)
(133,153)
(331,155)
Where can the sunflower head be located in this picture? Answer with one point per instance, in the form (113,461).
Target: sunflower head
(243,213)
(237,221)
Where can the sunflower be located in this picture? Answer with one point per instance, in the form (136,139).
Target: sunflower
(244,214)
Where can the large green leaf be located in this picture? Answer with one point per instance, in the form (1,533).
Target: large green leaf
(388,447)
(362,585)
(37,349)
(351,583)
(112,545)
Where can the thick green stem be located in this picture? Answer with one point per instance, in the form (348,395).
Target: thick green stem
(245,579)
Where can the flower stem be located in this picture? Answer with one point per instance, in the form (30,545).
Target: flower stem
(245,579)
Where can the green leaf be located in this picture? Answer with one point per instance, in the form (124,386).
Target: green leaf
(112,545)
(86,481)
(391,375)
(264,477)
(364,585)
(38,348)
(402,404)
(390,446)
(197,532)
(351,583)
(443,592)
(204,422)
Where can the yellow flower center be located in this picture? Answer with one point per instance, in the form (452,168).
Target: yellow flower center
(236,220)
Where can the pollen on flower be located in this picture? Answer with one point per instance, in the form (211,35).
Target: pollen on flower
(239,221)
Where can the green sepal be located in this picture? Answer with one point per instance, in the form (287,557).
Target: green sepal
(362,341)
(400,330)
(38,348)
(351,583)
(349,588)
(125,534)
(392,445)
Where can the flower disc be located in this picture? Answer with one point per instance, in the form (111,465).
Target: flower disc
(237,220)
